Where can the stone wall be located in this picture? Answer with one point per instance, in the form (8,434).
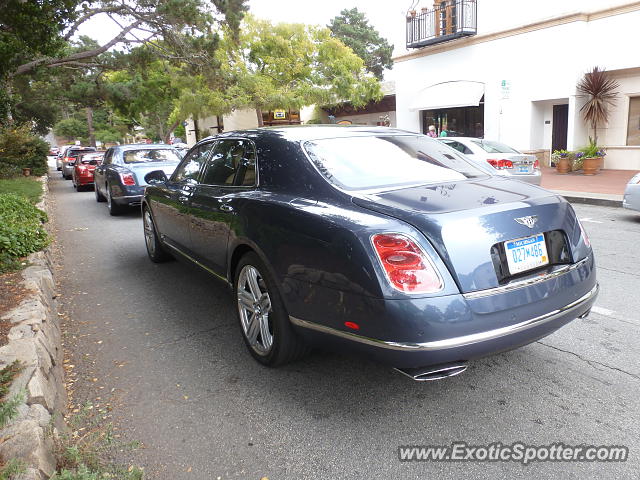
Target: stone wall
(36,341)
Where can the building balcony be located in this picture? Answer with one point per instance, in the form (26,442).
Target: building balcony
(448,20)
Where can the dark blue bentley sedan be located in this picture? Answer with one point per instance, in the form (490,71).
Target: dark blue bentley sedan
(373,240)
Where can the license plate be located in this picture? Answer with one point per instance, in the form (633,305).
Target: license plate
(524,169)
(526,253)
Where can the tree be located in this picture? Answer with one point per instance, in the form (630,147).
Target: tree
(141,22)
(600,93)
(71,128)
(352,28)
(288,66)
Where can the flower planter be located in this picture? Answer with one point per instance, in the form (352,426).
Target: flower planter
(26,172)
(563,165)
(590,166)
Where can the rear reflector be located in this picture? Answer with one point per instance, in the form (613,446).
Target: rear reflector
(406,266)
(500,164)
(127,179)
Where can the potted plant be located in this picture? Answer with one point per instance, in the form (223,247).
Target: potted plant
(561,159)
(599,91)
(591,157)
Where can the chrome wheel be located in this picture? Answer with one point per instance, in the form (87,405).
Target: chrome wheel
(254,306)
(149,233)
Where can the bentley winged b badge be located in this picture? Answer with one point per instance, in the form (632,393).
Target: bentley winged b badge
(529,221)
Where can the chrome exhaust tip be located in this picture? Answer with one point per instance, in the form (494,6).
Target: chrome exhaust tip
(433,372)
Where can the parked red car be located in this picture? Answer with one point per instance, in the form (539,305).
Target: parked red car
(83,168)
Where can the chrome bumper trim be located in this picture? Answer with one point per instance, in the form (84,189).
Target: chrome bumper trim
(525,283)
(127,197)
(454,342)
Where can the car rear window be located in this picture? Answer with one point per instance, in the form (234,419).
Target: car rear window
(151,155)
(88,158)
(490,146)
(80,151)
(379,162)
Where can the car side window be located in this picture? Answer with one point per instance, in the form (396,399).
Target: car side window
(107,157)
(459,146)
(190,166)
(233,163)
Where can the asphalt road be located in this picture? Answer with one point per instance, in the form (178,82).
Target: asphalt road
(161,342)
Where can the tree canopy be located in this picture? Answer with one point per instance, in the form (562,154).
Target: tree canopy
(289,65)
(353,29)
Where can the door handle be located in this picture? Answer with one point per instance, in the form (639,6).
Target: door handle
(225,207)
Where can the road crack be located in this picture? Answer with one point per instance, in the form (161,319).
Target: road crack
(591,363)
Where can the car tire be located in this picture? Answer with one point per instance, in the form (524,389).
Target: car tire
(99,197)
(114,208)
(272,341)
(155,249)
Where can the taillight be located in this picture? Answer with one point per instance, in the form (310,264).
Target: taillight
(82,170)
(500,164)
(585,237)
(536,164)
(406,266)
(69,159)
(127,179)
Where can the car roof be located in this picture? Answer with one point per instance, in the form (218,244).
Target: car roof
(140,146)
(311,132)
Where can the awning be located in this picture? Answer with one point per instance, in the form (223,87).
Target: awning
(460,93)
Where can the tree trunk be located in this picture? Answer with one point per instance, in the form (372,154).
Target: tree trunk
(9,90)
(595,133)
(173,126)
(259,115)
(92,134)
(196,126)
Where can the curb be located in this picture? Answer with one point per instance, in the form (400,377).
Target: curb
(603,202)
(35,339)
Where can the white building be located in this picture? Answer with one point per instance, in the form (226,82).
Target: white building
(508,70)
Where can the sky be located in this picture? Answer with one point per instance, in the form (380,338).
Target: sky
(387,16)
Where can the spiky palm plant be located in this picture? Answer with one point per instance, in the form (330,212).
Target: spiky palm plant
(599,90)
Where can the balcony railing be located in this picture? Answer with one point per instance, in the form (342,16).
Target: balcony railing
(451,19)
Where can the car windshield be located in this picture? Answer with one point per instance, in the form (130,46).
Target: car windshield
(148,155)
(494,147)
(362,163)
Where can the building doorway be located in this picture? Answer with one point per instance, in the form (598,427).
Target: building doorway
(559,127)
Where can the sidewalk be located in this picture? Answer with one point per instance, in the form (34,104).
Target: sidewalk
(604,188)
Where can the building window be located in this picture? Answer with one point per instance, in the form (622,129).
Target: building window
(633,128)
(456,122)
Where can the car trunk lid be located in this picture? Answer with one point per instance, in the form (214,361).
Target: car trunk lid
(141,169)
(464,220)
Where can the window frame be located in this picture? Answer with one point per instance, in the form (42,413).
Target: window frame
(196,179)
(626,136)
(246,187)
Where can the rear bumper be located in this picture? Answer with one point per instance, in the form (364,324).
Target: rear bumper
(128,195)
(431,331)
(534,178)
(477,344)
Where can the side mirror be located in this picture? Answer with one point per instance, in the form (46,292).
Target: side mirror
(156,177)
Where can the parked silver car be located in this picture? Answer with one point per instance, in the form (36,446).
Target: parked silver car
(506,160)
(70,157)
(631,198)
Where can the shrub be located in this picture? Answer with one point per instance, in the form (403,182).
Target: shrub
(21,229)
(19,148)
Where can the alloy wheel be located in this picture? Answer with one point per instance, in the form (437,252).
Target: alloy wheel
(254,305)
(149,233)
